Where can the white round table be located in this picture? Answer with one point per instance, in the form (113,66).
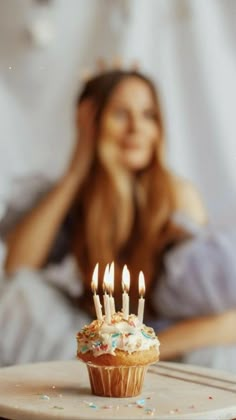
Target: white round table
(61,390)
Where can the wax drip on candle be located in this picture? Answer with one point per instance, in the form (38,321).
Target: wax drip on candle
(125,296)
(96,299)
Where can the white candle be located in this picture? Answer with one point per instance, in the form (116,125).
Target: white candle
(111,288)
(125,296)
(96,300)
(106,298)
(141,301)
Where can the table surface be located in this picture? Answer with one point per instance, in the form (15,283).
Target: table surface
(61,390)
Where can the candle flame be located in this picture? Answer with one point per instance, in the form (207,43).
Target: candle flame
(141,284)
(106,279)
(94,283)
(111,277)
(125,279)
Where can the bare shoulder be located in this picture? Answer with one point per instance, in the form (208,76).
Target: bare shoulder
(189,200)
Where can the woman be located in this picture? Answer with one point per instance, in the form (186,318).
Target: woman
(118,197)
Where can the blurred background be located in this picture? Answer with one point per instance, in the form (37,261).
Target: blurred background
(187,46)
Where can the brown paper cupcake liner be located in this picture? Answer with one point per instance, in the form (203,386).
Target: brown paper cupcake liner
(113,381)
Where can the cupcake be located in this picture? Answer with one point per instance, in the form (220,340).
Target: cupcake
(117,354)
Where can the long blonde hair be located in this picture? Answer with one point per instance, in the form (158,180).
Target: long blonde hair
(122,221)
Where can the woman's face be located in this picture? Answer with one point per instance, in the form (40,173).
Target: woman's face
(129,124)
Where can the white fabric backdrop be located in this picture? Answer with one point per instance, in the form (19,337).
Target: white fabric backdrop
(188,46)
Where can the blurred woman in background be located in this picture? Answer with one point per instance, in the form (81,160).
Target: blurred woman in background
(118,201)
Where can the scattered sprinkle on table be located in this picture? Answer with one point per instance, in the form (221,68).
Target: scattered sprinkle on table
(175,410)
(90,404)
(150,411)
(140,403)
(44,397)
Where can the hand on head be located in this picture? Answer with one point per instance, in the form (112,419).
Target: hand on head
(84,148)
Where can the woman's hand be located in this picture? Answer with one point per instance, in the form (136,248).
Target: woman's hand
(85,147)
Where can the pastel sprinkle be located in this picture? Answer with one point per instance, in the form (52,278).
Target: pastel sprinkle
(90,404)
(146,335)
(141,403)
(44,397)
(107,406)
(150,411)
(58,408)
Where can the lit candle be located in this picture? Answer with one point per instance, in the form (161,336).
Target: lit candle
(141,302)
(106,298)
(94,286)
(111,288)
(125,296)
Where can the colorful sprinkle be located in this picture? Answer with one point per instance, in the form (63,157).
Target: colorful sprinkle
(141,403)
(90,404)
(146,335)
(150,411)
(176,410)
(58,408)
(44,397)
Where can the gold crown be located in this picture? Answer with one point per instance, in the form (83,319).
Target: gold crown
(102,65)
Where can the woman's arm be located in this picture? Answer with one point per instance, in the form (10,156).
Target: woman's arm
(196,333)
(30,242)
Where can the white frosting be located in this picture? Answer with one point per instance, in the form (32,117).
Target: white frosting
(127,335)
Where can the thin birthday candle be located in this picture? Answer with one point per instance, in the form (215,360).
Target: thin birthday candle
(111,288)
(96,300)
(125,296)
(141,301)
(106,298)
